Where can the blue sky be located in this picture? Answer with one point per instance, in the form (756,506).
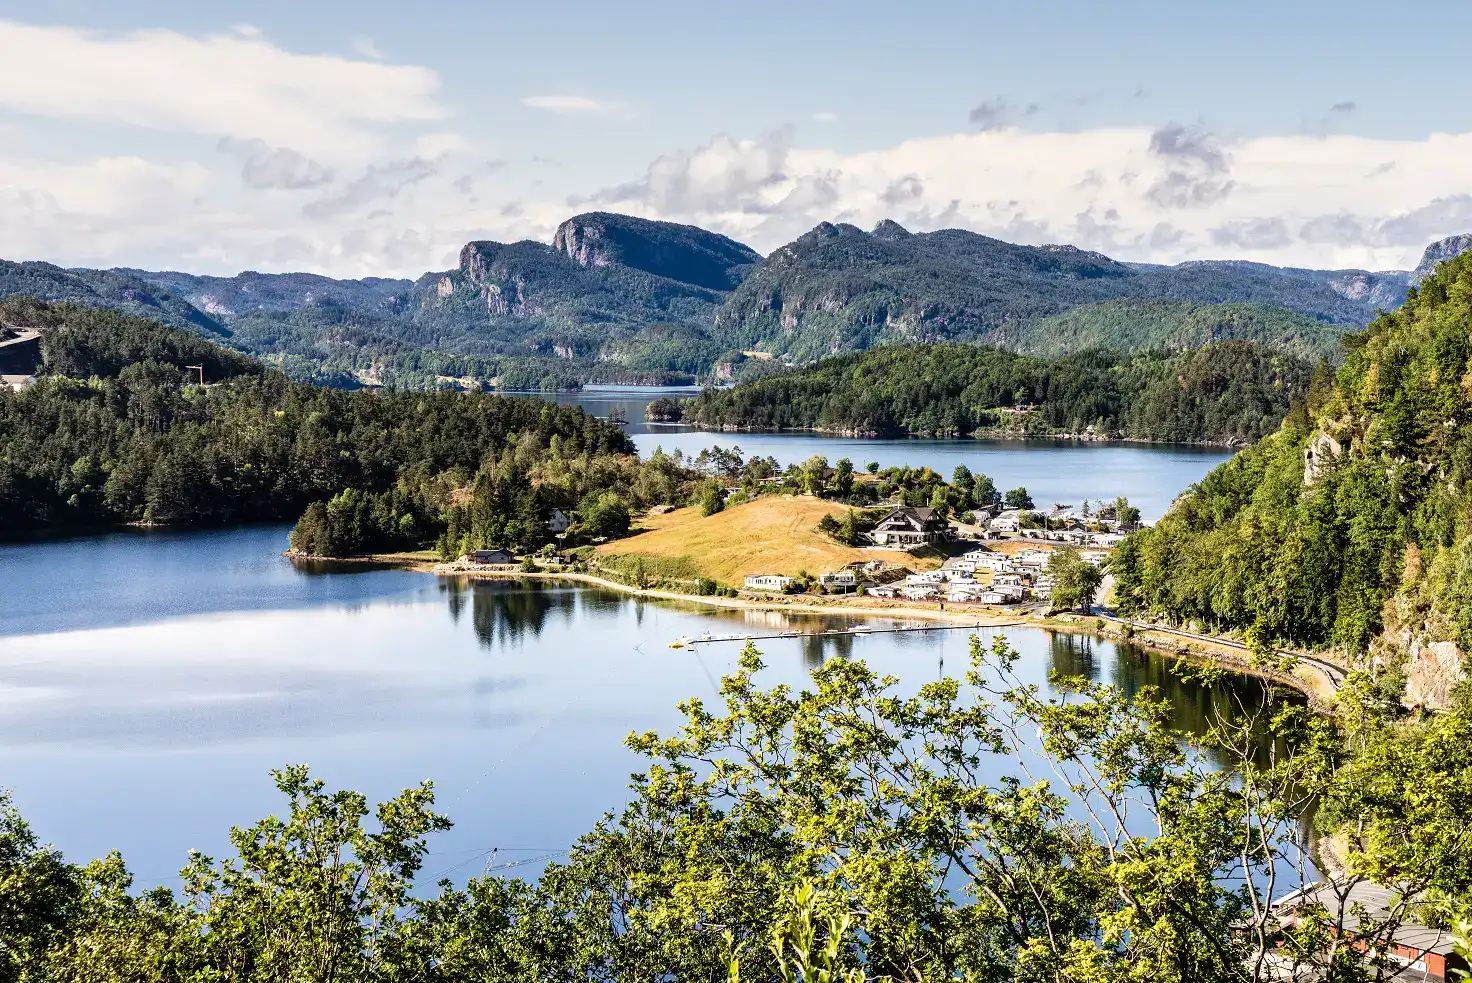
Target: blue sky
(375,138)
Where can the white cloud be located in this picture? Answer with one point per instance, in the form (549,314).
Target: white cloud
(574,105)
(825,116)
(236,84)
(1165,195)
(1328,202)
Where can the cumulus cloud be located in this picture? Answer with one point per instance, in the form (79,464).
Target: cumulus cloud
(1295,199)
(236,84)
(266,167)
(574,105)
(1195,163)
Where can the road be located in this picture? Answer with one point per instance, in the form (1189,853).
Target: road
(1333,673)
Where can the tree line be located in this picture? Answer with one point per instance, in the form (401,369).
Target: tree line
(1230,392)
(118,429)
(1351,526)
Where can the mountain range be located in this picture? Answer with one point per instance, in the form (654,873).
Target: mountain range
(616,298)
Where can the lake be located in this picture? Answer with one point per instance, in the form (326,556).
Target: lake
(1062,471)
(150,681)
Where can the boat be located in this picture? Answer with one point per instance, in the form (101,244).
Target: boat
(860,630)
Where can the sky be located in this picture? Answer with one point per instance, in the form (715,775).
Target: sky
(375,139)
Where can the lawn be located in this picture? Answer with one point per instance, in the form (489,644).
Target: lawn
(774,534)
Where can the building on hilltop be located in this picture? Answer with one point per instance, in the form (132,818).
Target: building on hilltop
(907,526)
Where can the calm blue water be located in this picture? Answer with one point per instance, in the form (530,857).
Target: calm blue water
(150,681)
(1061,471)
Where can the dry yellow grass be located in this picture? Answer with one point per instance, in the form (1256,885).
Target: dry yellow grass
(774,534)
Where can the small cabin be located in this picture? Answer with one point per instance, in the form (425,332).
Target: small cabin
(768,581)
(496,557)
(557,522)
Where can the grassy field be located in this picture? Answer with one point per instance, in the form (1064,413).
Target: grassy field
(774,534)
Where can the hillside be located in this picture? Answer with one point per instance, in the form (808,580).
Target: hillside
(615,298)
(773,534)
(1351,527)
(838,288)
(1228,392)
(115,289)
(1129,325)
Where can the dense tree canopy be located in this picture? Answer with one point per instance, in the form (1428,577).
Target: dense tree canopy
(94,442)
(1232,392)
(1354,520)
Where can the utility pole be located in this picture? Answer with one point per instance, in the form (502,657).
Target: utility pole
(201,372)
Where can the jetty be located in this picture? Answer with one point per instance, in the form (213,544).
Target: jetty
(708,638)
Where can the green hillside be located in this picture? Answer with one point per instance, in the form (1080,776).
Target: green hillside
(1130,325)
(1229,392)
(1351,526)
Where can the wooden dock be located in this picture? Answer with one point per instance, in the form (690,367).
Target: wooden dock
(857,630)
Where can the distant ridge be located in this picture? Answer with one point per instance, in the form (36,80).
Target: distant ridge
(621,298)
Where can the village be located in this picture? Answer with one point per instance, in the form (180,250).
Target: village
(1002,559)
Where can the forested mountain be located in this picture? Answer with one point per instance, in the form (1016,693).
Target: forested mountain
(117,429)
(116,289)
(838,288)
(615,298)
(1129,325)
(1352,525)
(1229,392)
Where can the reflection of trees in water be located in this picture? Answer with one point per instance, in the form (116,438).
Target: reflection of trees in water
(454,589)
(1196,707)
(505,613)
(818,648)
(1073,655)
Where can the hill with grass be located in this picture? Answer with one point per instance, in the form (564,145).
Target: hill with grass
(1350,527)
(771,534)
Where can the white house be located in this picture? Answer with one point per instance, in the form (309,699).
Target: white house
(920,592)
(557,522)
(1009,521)
(987,560)
(768,581)
(842,580)
(910,527)
(886,590)
(1003,595)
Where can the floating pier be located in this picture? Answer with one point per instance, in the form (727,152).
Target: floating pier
(710,639)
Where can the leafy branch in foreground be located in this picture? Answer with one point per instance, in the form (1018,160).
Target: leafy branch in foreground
(973,829)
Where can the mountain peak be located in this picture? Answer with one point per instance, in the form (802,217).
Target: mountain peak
(890,229)
(1439,252)
(678,252)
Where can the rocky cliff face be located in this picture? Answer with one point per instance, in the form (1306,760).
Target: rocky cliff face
(683,253)
(1440,252)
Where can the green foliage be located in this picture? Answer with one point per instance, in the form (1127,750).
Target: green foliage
(353,523)
(1136,325)
(838,288)
(841,832)
(1075,580)
(1017,498)
(1232,392)
(146,445)
(1255,546)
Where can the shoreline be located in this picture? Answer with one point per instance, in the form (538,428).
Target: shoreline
(1315,683)
(977,435)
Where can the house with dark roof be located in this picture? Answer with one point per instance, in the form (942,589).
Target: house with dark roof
(907,526)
